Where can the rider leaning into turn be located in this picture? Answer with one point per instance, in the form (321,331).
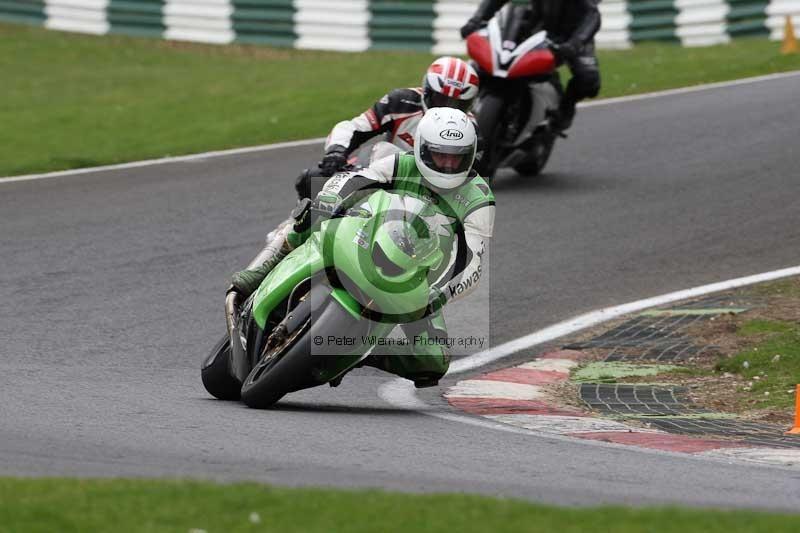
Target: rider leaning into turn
(572,25)
(440,168)
(448,82)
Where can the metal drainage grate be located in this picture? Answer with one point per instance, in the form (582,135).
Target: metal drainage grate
(629,400)
(748,432)
(643,337)
(659,334)
(669,409)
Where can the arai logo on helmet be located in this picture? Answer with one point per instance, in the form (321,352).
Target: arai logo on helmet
(451,135)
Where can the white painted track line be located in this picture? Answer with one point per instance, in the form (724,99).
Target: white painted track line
(401,393)
(691,89)
(164,160)
(602,315)
(308,142)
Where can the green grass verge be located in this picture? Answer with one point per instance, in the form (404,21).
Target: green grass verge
(49,505)
(774,378)
(787,288)
(76,100)
(611,372)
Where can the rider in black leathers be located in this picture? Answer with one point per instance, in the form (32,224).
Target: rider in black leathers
(572,24)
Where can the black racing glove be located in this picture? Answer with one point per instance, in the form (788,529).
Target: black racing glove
(472,25)
(302,215)
(307,212)
(335,159)
(568,50)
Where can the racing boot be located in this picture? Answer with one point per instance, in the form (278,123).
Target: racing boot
(562,121)
(245,282)
(424,360)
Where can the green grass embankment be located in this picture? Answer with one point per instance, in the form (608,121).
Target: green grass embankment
(121,506)
(772,365)
(72,101)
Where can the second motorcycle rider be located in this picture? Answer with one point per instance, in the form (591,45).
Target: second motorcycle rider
(448,82)
(572,24)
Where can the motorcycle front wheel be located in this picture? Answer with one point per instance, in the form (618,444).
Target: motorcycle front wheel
(287,362)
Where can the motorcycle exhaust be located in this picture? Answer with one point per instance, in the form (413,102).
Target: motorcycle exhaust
(231,312)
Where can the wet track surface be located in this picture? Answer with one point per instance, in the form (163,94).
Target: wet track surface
(112,285)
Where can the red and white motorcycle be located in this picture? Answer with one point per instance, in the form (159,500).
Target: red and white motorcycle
(520,92)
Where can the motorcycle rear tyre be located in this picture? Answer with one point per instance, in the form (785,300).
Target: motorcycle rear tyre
(534,165)
(489,123)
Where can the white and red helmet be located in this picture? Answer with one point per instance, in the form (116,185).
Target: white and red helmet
(450,82)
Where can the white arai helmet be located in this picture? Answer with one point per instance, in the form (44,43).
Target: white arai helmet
(445,146)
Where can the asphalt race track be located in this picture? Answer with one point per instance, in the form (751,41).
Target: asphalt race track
(112,287)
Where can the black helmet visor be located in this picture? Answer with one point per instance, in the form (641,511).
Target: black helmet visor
(434,99)
(447,159)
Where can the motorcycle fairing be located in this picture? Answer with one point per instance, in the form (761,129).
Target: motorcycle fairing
(347,245)
(529,58)
(301,264)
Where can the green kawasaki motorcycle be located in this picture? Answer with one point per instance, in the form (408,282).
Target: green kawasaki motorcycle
(322,310)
